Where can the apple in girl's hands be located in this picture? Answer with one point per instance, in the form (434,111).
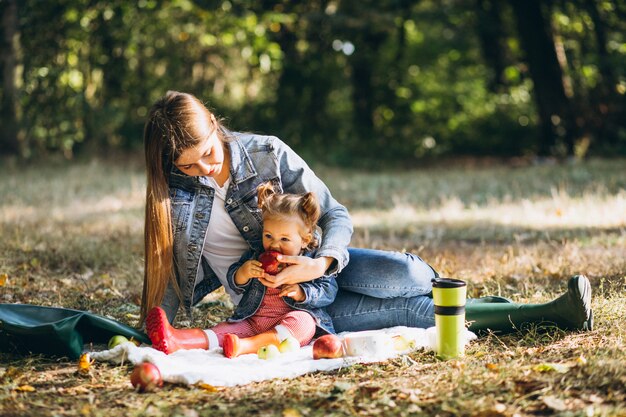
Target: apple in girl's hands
(328,346)
(290,344)
(270,263)
(146,377)
(268,352)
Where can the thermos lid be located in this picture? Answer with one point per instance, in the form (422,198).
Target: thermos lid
(448,283)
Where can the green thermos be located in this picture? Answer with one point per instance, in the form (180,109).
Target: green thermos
(449,297)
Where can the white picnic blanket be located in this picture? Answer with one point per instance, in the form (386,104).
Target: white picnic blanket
(211,367)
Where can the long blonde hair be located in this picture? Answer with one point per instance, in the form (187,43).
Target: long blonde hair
(176,122)
(276,206)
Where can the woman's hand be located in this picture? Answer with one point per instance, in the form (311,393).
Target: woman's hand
(293,291)
(298,269)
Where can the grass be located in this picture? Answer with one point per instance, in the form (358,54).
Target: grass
(72,237)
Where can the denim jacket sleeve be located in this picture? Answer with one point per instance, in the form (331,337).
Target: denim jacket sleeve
(319,292)
(230,275)
(335,222)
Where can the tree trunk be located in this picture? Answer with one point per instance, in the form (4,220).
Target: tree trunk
(362,89)
(291,85)
(557,120)
(608,109)
(491,34)
(9,143)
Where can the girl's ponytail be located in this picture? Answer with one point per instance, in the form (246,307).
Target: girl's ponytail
(311,209)
(311,213)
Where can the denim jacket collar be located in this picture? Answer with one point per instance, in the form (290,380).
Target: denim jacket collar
(241,167)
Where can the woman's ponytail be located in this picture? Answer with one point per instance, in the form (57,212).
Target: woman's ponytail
(265,193)
(177,121)
(158,235)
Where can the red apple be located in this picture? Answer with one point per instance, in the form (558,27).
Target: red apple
(328,346)
(270,264)
(146,377)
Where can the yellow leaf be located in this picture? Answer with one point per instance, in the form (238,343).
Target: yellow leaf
(3,279)
(25,388)
(491,366)
(209,387)
(549,367)
(84,363)
(291,412)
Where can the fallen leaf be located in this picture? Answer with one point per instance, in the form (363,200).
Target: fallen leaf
(25,388)
(491,366)
(84,363)
(209,387)
(3,279)
(86,410)
(549,367)
(291,412)
(11,373)
(554,403)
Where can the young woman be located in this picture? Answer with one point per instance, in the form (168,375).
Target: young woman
(202,214)
(265,315)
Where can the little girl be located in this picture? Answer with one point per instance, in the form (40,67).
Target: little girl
(264,315)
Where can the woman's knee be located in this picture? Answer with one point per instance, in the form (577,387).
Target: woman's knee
(386,274)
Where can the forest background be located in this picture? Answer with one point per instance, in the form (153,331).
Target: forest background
(404,108)
(344,82)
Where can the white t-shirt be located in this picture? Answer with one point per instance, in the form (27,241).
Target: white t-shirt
(223,245)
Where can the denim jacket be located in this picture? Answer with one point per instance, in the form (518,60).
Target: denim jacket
(254,159)
(318,294)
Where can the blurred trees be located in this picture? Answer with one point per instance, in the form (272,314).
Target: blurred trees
(346,81)
(8,60)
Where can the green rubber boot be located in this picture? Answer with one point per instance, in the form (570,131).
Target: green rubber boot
(570,311)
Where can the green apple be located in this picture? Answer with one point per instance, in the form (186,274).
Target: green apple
(290,344)
(117,340)
(268,352)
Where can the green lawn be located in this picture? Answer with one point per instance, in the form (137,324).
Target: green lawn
(72,237)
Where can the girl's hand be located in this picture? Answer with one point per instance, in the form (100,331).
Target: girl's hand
(250,269)
(298,269)
(293,291)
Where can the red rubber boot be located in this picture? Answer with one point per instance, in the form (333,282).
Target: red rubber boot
(168,339)
(234,346)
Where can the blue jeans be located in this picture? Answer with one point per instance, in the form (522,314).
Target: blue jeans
(379,289)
